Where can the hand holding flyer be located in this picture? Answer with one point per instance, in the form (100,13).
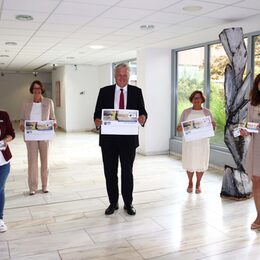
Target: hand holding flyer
(38,130)
(197,129)
(119,122)
(2,145)
(250,127)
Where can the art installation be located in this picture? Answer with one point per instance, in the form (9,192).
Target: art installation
(236,183)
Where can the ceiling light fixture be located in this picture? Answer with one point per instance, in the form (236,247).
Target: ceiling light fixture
(147,27)
(35,73)
(23,17)
(4,56)
(96,47)
(11,43)
(192,8)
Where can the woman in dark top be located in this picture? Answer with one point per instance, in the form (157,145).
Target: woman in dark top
(6,135)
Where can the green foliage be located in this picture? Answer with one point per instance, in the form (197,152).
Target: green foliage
(217,104)
(186,85)
(217,108)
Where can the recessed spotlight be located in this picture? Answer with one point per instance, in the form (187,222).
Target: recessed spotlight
(96,47)
(4,56)
(23,17)
(70,58)
(192,8)
(147,27)
(11,43)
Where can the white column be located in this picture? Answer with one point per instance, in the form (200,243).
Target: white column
(154,77)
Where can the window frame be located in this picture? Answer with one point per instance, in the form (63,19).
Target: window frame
(174,79)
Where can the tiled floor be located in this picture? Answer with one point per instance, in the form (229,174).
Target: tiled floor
(69,222)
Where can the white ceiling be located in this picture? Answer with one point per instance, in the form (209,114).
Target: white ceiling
(62,31)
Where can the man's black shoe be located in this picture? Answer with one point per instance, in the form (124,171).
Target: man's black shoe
(130,210)
(111,209)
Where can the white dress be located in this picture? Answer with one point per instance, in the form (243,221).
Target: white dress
(195,154)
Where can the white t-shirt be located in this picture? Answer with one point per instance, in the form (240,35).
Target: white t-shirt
(36,113)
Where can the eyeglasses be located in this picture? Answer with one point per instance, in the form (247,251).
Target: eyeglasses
(197,98)
(37,88)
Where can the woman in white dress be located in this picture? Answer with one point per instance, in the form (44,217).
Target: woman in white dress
(195,154)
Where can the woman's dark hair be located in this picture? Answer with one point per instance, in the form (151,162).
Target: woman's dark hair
(197,92)
(255,93)
(38,83)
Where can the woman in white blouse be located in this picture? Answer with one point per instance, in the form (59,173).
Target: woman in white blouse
(195,154)
(38,109)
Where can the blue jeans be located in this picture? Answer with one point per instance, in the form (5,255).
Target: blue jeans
(4,171)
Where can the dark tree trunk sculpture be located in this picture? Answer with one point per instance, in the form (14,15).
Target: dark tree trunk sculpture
(235,181)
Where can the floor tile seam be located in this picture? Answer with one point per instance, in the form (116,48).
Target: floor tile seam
(132,246)
(225,252)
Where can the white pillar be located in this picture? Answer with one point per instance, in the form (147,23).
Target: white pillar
(154,77)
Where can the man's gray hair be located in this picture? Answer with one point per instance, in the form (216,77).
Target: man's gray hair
(122,66)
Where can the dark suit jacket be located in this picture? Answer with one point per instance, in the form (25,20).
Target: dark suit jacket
(6,129)
(106,100)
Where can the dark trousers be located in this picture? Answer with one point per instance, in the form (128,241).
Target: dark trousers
(110,155)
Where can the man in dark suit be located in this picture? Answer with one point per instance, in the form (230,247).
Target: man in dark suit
(114,147)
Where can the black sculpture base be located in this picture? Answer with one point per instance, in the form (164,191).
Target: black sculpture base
(236,185)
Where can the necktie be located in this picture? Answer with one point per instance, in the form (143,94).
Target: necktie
(121,100)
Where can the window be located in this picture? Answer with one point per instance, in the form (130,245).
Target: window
(194,71)
(190,76)
(256,55)
(218,61)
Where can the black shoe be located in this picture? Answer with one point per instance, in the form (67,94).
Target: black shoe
(130,210)
(111,209)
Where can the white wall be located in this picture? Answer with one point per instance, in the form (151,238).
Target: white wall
(79,90)
(14,90)
(105,75)
(60,112)
(154,77)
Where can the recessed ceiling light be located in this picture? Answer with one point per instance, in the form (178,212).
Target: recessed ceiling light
(23,17)
(192,8)
(70,58)
(147,27)
(11,43)
(97,47)
(4,56)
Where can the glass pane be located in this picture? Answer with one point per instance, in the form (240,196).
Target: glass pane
(133,72)
(257,55)
(218,61)
(190,75)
